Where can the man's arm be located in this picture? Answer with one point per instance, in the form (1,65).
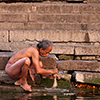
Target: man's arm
(39,70)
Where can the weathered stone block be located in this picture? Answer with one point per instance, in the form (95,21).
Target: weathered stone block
(16,46)
(49,8)
(54,36)
(12,26)
(3,36)
(79,65)
(4,78)
(93,1)
(5,46)
(49,62)
(15,8)
(94,36)
(87,77)
(14,17)
(62,49)
(65,76)
(87,50)
(65,18)
(50,26)
(65,57)
(4,57)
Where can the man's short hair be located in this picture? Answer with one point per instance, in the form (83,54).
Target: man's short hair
(44,44)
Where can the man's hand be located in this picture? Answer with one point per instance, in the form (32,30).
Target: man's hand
(55,71)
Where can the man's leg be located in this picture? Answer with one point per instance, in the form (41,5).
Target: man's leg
(32,70)
(19,70)
(25,70)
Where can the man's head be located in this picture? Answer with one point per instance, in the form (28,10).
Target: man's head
(45,46)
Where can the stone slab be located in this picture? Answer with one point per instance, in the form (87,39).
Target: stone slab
(50,26)
(63,18)
(4,78)
(5,46)
(62,49)
(11,17)
(87,77)
(57,7)
(87,50)
(15,8)
(16,46)
(55,36)
(4,36)
(4,57)
(58,48)
(79,65)
(93,1)
(48,62)
(17,89)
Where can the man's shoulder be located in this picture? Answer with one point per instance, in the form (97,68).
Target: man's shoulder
(33,49)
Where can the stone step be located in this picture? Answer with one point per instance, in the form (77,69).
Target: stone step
(48,62)
(79,65)
(45,8)
(87,77)
(51,61)
(53,18)
(57,36)
(67,1)
(68,49)
(49,26)
(93,1)
(5,79)
(38,91)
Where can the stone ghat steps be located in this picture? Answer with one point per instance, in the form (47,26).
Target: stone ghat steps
(56,36)
(49,16)
(49,8)
(84,71)
(53,18)
(52,62)
(95,26)
(68,1)
(76,50)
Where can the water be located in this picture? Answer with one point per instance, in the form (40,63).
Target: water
(77,94)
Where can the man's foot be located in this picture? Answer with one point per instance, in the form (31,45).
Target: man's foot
(26,87)
(18,82)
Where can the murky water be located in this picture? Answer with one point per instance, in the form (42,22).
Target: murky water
(77,94)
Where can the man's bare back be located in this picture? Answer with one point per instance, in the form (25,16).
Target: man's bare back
(27,60)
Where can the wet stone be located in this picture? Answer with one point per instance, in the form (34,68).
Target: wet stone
(87,77)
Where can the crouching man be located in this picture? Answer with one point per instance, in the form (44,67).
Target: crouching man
(26,63)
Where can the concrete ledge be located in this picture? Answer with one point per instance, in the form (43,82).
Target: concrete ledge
(79,65)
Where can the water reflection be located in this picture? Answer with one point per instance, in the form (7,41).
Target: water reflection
(79,94)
